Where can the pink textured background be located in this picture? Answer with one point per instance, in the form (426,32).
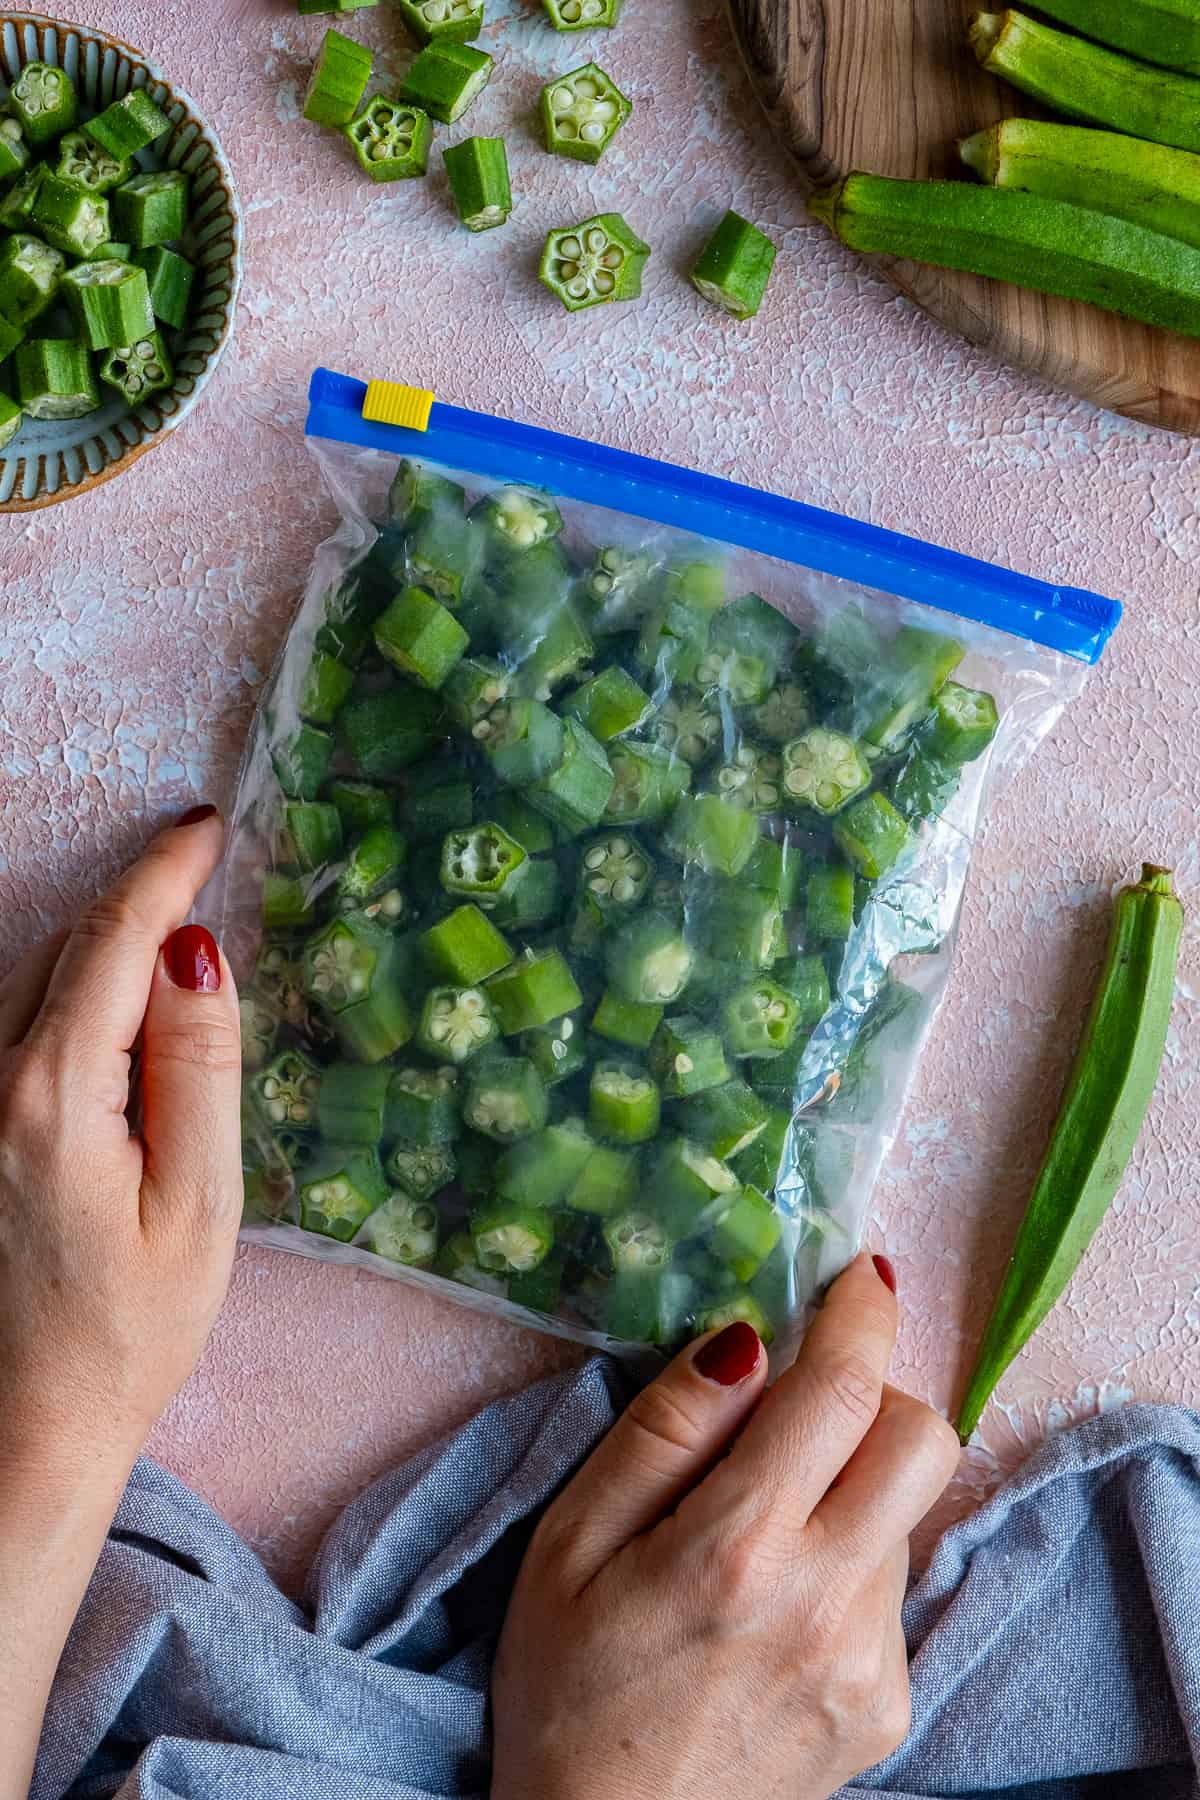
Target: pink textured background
(137,625)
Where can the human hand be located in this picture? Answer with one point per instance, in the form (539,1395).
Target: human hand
(712,1605)
(115,1250)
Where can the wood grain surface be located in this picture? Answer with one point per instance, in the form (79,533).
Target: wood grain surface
(890,86)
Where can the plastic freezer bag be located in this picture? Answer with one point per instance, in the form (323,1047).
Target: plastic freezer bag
(595,868)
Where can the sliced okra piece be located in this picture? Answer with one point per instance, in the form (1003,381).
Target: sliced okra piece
(649,960)
(587,925)
(745,1234)
(473,687)
(16,205)
(605,1184)
(725,1120)
(352,970)
(823,770)
(287,1090)
(372,870)
(690,1186)
(54,378)
(87,164)
(872,835)
(139,368)
(151,209)
(71,220)
(360,806)
(430,812)
(560,652)
(556,1050)
(522,741)
(734,266)
(760,1019)
(459,20)
(312,834)
(351,1102)
(113,250)
(477,170)
(672,642)
(340,1191)
(739,924)
(638,1241)
(129,124)
(338,80)
(783,714)
(530,901)
(615,871)
(30,275)
(617,589)
(805,978)
(533,990)
(964,723)
(575,793)
(258,1023)
(404,1230)
(390,139)
(582,113)
(14,150)
(924,786)
(540,1170)
(505,1098)
(739,1308)
(829,918)
(445,78)
(538,1290)
(511,1236)
(417,493)
(624,1104)
(759,1164)
(420,637)
(900,688)
(456,1261)
(594,263)
(754,627)
(345,631)
(695,581)
(456,1022)
(445,554)
(687,1056)
(481,862)
(582,15)
(302,762)
(43,101)
(648,781)
(421,1170)
(466,947)
(752,779)
(629,1022)
(709,830)
(776,1079)
(109,302)
(170,277)
(689,725)
(384,733)
(422,1105)
(609,704)
(324,690)
(285,901)
(746,679)
(775,868)
(649,1306)
(11,416)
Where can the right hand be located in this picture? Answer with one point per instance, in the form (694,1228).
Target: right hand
(712,1605)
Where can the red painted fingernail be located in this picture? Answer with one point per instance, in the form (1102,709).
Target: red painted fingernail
(194,814)
(193,960)
(731,1355)
(886,1271)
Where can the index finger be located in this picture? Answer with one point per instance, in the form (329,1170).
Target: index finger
(97,996)
(808,1426)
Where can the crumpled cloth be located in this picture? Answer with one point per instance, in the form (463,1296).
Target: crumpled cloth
(1054,1640)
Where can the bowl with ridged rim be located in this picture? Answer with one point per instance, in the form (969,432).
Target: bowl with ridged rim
(55,459)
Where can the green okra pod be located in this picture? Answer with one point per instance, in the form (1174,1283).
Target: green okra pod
(384,733)
(752,779)
(481,863)
(340,1191)
(829,917)
(352,970)
(624,1103)
(1158,31)
(420,637)
(477,170)
(522,740)
(152,208)
(607,1183)
(170,278)
(964,723)
(11,415)
(746,1233)
(130,124)
(446,78)
(647,782)
(687,1056)
(872,835)
(456,1261)
(724,1120)
(649,1306)
(505,1098)
(760,1018)
(556,1050)
(594,263)
(43,101)
(429,20)
(138,369)
(574,794)
(404,1230)
(709,830)
(741,1307)
(823,770)
(69,218)
(734,267)
(54,378)
(31,274)
(17,203)
(338,81)
(610,704)
(423,1105)
(1036,243)
(85,163)
(582,15)
(690,1187)
(109,302)
(351,1102)
(629,1022)
(534,989)
(1107,1096)
(511,1236)
(421,1170)
(390,140)
(14,151)
(649,960)
(312,834)
(541,1170)
(466,947)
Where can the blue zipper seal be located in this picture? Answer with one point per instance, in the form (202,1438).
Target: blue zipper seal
(1070,620)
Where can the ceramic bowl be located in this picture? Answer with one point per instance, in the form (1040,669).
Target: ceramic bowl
(51,460)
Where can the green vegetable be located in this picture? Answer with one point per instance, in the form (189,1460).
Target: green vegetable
(760,1019)
(1159,31)
(689,1187)
(752,779)
(759,1164)
(360,806)
(511,1236)
(350,1104)
(575,793)
(313,833)
(82,161)
(1087,81)
(54,378)
(384,733)
(30,276)
(531,900)
(481,863)
(741,1307)
(129,124)
(445,78)
(372,868)
(830,903)
(473,687)
(423,1106)
(806,979)
(456,1261)
(823,770)
(648,1306)
(746,1233)
(338,81)
(466,947)
(924,786)
(734,266)
(647,783)
(872,835)
(421,1170)
(110,303)
(533,990)
(1038,243)
(138,369)
(541,1170)
(783,714)
(505,1098)
(624,1105)
(404,1230)
(477,170)
(390,140)
(43,102)
(607,1183)
(964,723)
(594,263)
(287,1090)
(556,1050)
(16,206)
(1109,1091)
(170,277)
(582,113)
(637,1240)
(353,971)
(432,19)
(617,589)
(416,494)
(629,1022)
(420,637)
(743,924)
(649,960)
(615,871)
(151,209)
(68,217)
(582,15)
(340,1191)
(324,689)
(14,151)
(445,555)
(725,1120)
(11,416)
(709,830)
(456,1023)
(285,901)
(522,740)
(687,1056)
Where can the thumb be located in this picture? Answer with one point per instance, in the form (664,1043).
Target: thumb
(661,1446)
(191,1087)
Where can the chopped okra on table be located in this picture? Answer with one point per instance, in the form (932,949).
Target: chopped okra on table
(93,282)
(564,858)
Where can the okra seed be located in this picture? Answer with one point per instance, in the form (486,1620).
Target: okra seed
(570,247)
(593,133)
(577,288)
(596,242)
(603,282)
(276,1112)
(560,99)
(683,1064)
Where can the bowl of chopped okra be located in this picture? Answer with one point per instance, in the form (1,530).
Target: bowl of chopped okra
(120,258)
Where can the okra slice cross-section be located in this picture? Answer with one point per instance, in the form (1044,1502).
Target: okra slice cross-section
(690,726)
(390,140)
(761,1019)
(68,217)
(431,19)
(404,1230)
(649,960)
(455,1023)
(14,151)
(594,263)
(477,170)
(421,1169)
(89,165)
(517,518)
(734,266)
(824,769)
(43,100)
(341,1191)
(964,723)
(287,1090)
(511,1236)
(505,1099)
(637,1241)
(30,275)
(582,113)
(481,863)
(446,78)
(616,870)
(582,15)
(753,779)
(140,368)
(624,1104)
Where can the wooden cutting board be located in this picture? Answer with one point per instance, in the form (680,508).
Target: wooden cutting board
(889,86)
